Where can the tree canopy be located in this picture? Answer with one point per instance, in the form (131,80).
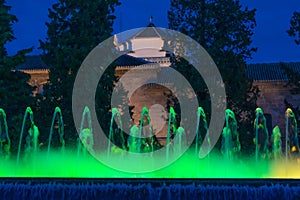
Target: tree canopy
(224,29)
(15,92)
(75,28)
(294,30)
(293,82)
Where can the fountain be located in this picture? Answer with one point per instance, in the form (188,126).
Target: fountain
(276,143)
(201,131)
(138,138)
(179,144)
(261,135)
(86,140)
(57,115)
(141,138)
(231,146)
(117,139)
(132,142)
(143,144)
(59,165)
(139,141)
(291,134)
(31,146)
(171,125)
(5,140)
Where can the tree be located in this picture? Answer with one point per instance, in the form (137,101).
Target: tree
(294,30)
(294,86)
(15,92)
(293,82)
(75,28)
(224,29)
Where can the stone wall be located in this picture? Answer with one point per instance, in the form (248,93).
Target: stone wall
(154,97)
(151,95)
(271,100)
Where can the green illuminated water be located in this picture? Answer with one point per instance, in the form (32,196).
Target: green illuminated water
(291,133)
(112,137)
(80,164)
(31,145)
(85,141)
(4,136)
(171,127)
(261,135)
(68,165)
(57,115)
(202,132)
(231,146)
(145,122)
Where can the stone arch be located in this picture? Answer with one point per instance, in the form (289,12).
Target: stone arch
(148,95)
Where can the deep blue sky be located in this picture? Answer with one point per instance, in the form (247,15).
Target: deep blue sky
(274,45)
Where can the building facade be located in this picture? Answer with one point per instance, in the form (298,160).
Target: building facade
(38,71)
(272,81)
(145,54)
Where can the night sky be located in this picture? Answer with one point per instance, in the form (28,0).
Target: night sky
(271,39)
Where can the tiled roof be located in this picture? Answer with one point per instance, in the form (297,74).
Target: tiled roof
(149,32)
(36,63)
(33,63)
(295,66)
(270,71)
(126,60)
(258,72)
(146,32)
